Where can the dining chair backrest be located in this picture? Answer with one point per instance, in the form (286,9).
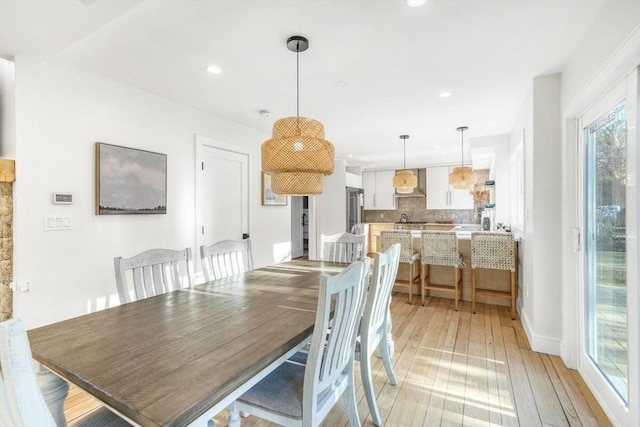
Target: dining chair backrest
(342,247)
(21,402)
(376,308)
(330,359)
(152,272)
(226,258)
(375,327)
(302,394)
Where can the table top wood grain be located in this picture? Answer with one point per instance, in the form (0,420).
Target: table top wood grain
(168,359)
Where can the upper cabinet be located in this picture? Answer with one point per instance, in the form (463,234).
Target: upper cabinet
(379,193)
(441,196)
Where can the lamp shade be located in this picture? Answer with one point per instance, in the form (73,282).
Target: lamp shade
(297,156)
(463,178)
(405,181)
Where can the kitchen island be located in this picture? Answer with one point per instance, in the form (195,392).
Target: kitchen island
(497,280)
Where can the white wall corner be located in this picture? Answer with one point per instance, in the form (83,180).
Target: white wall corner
(539,343)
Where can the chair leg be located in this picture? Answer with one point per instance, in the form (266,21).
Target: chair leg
(384,350)
(456,285)
(473,290)
(410,281)
(367,385)
(350,402)
(513,295)
(422,277)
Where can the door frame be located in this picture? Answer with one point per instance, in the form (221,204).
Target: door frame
(201,142)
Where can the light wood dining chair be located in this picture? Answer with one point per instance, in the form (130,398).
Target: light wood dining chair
(375,327)
(407,254)
(496,251)
(22,403)
(342,247)
(153,272)
(295,394)
(440,248)
(226,258)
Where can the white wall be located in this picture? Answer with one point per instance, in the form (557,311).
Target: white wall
(7,118)
(540,285)
(60,114)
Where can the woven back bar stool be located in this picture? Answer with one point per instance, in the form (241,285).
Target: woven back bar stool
(440,248)
(495,251)
(407,254)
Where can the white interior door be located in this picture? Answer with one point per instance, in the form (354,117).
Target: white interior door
(222,192)
(297,248)
(609,290)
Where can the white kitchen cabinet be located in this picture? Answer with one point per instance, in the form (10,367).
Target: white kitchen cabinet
(442,196)
(379,193)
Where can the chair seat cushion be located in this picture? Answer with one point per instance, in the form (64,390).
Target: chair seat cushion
(101,417)
(281,391)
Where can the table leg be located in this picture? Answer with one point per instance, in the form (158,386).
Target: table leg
(234,415)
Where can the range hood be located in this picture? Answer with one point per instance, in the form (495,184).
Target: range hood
(420,190)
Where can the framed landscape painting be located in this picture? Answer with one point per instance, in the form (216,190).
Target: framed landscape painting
(130,181)
(269,198)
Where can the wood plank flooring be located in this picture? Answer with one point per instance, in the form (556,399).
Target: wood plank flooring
(455,369)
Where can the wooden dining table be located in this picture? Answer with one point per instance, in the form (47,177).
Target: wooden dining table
(180,358)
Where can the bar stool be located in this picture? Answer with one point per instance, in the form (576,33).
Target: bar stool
(441,248)
(407,254)
(497,251)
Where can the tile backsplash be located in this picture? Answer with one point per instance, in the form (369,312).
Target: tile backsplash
(415,210)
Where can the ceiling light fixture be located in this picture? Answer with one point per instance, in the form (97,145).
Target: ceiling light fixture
(462,177)
(444,94)
(297,156)
(405,181)
(415,3)
(214,69)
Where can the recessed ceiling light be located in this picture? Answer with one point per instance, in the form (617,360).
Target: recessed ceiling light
(214,69)
(444,94)
(340,83)
(415,3)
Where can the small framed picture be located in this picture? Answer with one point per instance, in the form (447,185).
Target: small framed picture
(269,198)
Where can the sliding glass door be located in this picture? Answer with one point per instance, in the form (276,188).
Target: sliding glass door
(610,346)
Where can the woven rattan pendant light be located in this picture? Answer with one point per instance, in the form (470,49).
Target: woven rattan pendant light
(462,177)
(405,180)
(297,156)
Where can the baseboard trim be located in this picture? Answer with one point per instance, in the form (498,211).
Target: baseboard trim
(540,343)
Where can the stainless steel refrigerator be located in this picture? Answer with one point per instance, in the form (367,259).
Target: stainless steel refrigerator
(355,202)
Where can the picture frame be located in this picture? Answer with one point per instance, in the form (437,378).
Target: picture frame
(269,198)
(129,181)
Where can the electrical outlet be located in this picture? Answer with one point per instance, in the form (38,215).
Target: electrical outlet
(526,290)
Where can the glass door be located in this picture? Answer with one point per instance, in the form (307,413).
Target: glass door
(609,358)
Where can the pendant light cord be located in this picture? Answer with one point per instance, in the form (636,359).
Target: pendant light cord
(462,147)
(404,153)
(298,80)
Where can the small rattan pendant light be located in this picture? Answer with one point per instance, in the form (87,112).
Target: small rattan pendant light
(405,181)
(462,177)
(297,156)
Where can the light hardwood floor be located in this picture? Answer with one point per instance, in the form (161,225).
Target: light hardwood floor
(456,369)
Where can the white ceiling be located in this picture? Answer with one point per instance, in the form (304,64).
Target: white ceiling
(373,71)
